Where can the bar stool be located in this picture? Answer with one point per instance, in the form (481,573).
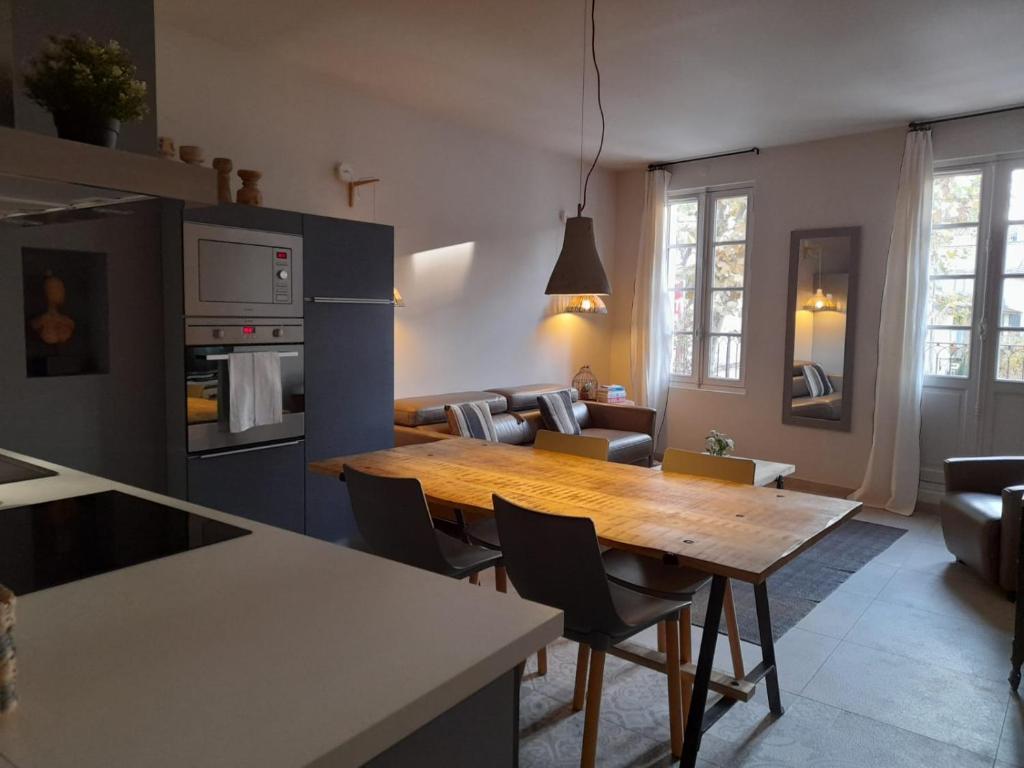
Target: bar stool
(485,532)
(671,582)
(556,561)
(394,522)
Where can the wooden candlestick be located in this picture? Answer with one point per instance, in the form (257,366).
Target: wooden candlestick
(223,166)
(249,194)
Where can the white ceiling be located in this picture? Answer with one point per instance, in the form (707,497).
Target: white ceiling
(681,78)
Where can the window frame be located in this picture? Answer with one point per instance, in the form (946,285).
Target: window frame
(705,244)
(983,226)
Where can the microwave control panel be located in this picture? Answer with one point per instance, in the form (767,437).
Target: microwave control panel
(282,275)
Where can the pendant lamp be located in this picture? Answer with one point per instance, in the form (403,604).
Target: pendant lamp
(579,269)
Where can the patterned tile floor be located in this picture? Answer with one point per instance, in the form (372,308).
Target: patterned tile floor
(904,666)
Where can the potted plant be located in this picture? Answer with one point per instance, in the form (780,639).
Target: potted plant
(88,87)
(719,444)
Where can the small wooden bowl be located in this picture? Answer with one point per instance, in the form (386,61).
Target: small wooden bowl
(191,154)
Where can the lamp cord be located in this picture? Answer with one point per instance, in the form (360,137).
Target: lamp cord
(600,106)
(583,99)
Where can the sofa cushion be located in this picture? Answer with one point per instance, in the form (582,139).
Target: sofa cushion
(624,447)
(429,409)
(471,420)
(557,411)
(971,526)
(524,396)
(512,430)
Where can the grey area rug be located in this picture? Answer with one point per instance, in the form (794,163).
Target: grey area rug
(801,584)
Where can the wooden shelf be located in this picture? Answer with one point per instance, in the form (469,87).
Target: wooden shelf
(36,156)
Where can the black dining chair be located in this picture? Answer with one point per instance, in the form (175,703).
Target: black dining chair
(394,522)
(556,561)
(484,532)
(670,581)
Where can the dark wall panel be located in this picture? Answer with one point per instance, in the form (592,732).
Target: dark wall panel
(110,423)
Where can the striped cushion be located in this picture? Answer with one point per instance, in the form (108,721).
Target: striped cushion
(471,420)
(556,411)
(818,383)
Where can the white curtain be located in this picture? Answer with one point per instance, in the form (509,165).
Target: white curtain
(650,341)
(891,479)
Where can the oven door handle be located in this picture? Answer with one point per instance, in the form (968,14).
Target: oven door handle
(246,450)
(225,357)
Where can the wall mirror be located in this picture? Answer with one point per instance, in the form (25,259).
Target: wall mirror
(818,370)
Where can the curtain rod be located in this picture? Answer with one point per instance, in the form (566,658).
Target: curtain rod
(917,125)
(656,166)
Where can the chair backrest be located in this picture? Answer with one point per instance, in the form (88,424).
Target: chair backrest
(577,445)
(556,560)
(394,520)
(704,464)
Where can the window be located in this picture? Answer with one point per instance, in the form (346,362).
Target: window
(708,244)
(952,265)
(976,274)
(1010,358)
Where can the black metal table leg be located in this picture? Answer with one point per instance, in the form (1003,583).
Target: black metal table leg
(764,631)
(780,482)
(705,661)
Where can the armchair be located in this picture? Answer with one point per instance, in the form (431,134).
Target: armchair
(981,515)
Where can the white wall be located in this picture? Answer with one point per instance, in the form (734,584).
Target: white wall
(849,181)
(475,216)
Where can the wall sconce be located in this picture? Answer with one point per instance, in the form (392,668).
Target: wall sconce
(587,304)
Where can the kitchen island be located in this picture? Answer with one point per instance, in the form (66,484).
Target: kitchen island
(271,649)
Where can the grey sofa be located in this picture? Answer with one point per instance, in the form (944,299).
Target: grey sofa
(629,430)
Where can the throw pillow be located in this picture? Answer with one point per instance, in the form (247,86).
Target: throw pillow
(556,412)
(818,383)
(471,420)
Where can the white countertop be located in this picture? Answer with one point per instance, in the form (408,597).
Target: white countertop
(272,649)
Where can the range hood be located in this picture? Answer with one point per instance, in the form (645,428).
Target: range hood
(44,179)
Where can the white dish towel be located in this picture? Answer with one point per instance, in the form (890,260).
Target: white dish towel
(255,390)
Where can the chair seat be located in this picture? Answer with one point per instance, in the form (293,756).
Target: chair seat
(637,612)
(623,447)
(465,559)
(651,576)
(484,533)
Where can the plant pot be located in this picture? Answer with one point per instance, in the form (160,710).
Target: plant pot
(89,129)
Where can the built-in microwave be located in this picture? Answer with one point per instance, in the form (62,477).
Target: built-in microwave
(232,272)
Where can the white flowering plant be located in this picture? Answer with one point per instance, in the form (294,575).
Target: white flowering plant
(719,444)
(77,75)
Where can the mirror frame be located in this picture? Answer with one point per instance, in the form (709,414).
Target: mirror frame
(843,424)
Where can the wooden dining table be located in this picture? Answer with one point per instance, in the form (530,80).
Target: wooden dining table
(727,530)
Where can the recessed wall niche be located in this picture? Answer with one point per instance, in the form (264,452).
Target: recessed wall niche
(66,312)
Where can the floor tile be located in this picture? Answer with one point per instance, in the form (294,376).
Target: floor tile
(956,591)
(560,740)
(931,558)
(812,734)
(836,614)
(869,580)
(799,655)
(1011,745)
(947,706)
(945,639)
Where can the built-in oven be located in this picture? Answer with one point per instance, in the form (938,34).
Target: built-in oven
(232,272)
(210,341)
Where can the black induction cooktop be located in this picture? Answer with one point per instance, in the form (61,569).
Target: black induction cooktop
(55,542)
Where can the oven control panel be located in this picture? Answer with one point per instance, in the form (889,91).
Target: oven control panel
(212,331)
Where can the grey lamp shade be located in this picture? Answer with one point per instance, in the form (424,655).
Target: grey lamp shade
(578,269)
